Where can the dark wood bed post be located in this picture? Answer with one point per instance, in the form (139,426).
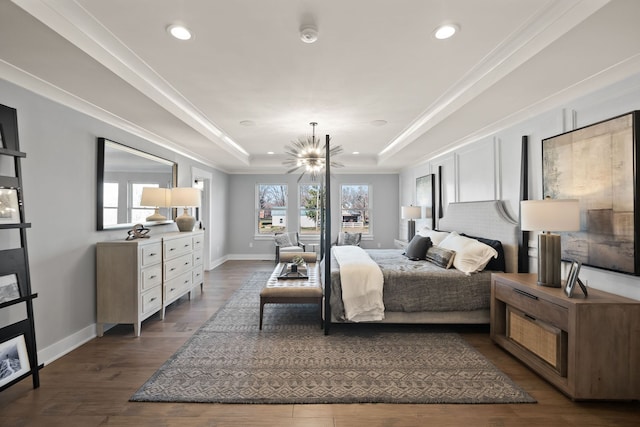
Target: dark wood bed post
(327,240)
(440,210)
(523,246)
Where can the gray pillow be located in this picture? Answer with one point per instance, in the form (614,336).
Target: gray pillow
(440,256)
(417,247)
(283,240)
(349,239)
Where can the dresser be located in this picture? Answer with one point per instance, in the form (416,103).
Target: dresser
(588,347)
(138,278)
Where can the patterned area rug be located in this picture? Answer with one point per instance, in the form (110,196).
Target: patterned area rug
(229,360)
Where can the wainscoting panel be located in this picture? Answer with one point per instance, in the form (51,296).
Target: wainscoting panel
(477,172)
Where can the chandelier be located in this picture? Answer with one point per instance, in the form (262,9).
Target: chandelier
(307,153)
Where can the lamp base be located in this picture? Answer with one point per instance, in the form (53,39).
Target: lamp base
(411,229)
(156,216)
(549,260)
(185,222)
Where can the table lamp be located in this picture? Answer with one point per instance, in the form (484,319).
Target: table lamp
(550,215)
(411,213)
(157,198)
(185,197)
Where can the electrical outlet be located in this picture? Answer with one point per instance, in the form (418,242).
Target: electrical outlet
(379,245)
(250,244)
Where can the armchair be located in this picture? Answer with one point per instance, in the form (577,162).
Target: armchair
(287,242)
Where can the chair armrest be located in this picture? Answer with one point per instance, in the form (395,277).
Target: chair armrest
(303,246)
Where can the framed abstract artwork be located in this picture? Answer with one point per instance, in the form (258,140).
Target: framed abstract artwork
(596,165)
(425,190)
(15,360)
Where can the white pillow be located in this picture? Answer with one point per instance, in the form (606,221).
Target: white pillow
(435,236)
(471,255)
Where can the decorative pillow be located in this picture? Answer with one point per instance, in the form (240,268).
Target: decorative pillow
(435,235)
(495,264)
(417,248)
(440,256)
(283,240)
(349,239)
(471,255)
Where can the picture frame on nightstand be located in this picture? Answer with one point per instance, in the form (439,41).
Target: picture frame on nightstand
(573,279)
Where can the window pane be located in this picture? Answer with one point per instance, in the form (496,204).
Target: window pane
(272,208)
(110,200)
(137,213)
(355,209)
(309,209)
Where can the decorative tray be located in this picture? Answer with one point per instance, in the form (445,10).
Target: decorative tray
(287,272)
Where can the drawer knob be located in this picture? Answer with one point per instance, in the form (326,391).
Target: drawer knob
(171,269)
(152,277)
(152,299)
(152,254)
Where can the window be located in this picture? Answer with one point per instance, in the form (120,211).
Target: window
(139,214)
(309,208)
(354,203)
(271,211)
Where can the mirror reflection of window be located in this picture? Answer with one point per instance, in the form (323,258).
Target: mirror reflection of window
(110,196)
(137,213)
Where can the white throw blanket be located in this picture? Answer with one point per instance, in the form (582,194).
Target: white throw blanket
(361,280)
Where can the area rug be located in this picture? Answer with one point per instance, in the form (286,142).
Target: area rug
(229,360)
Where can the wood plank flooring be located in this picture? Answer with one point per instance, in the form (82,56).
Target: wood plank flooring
(91,385)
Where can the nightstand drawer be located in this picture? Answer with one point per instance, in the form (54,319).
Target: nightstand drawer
(152,300)
(532,305)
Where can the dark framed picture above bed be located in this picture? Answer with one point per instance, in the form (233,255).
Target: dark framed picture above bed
(596,165)
(425,190)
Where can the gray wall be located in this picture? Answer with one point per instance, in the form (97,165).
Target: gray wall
(59,179)
(243,243)
(489,168)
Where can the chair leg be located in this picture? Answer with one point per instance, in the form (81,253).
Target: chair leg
(261,312)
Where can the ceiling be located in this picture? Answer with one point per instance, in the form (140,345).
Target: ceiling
(246,84)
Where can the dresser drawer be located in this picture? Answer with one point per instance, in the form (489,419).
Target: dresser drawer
(177,266)
(174,288)
(177,247)
(198,243)
(197,258)
(198,275)
(151,254)
(151,276)
(533,306)
(152,300)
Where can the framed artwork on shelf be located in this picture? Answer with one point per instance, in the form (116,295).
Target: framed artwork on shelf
(14,360)
(596,164)
(9,289)
(9,212)
(425,190)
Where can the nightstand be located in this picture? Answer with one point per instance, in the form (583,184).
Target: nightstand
(588,347)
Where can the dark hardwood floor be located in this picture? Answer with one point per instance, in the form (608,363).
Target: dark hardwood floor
(91,385)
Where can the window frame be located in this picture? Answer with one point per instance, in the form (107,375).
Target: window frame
(369,210)
(257,209)
(307,236)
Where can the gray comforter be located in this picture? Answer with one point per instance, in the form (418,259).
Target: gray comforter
(414,286)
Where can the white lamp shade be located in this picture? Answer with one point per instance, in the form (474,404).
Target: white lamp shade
(185,196)
(411,212)
(550,215)
(155,197)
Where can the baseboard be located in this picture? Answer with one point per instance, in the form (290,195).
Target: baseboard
(252,257)
(66,345)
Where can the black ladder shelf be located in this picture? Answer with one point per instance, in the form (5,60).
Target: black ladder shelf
(18,351)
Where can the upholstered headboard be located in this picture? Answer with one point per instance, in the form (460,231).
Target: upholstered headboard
(487,219)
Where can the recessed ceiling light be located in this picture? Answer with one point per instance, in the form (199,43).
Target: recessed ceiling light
(179,31)
(270,152)
(445,31)
(356,152)
(378,122)
(309,34)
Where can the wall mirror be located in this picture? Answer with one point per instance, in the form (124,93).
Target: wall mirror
(122,173)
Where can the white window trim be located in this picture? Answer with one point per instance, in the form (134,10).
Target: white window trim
(365,236)
(256,211)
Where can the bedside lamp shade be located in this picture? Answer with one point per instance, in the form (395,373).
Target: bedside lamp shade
(156,198)
(549,215)
(411,213)
(185,197)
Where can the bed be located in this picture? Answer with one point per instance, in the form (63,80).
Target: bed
(420,291)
